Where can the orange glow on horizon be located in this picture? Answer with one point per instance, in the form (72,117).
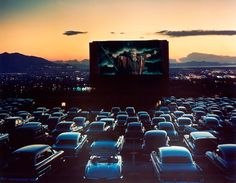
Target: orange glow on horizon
(39,31)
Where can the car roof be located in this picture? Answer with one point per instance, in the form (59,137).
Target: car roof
(174,151)
(98,123)
(106,143)
(31,149)
(165,124)
(202,135)
(30,126)
(65,122)
(107,119)
(155,133)
(69,136)
(14,117)
(227,149)
(134,124)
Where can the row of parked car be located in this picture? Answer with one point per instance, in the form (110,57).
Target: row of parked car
(42,139)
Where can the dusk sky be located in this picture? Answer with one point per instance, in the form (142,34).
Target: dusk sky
(62,29)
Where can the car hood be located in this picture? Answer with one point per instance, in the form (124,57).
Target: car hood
(103,171)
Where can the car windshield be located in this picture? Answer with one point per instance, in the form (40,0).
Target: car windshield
(176,159)
(66,142)
(98,159)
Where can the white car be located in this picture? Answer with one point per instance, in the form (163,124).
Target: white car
(105,163)
(72,143)
(175,164)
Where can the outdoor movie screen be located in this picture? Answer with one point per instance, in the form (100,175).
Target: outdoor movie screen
(129,57)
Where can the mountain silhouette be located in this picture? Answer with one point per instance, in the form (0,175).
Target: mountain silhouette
(19,63)
(81,65)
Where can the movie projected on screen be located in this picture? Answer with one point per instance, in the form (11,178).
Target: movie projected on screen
(112,58)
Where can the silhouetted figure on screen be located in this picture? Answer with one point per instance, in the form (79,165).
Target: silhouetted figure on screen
(131,62)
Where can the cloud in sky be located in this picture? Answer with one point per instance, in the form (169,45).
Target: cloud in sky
(117,32)
(208,57)
(184,33)
(72,33)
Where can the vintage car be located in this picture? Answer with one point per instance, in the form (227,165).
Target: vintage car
(172,106)
(130,110)
(131,119)
(30,133)
(105,113)
(4,116)
(210,123)
(232,123)
(4,144)
(105,163)
(102,147)
(26,116)
(183,108)
(198,115)
(145,120)
(29,163)
(153,139)
(59,114)
(81,121)
(42,109)
(44,118)
(115,110)
(85,114)
(121,123)
(181,123)
(165,109)
(37,115)
(176,114)
(72,143)
(52,122)
(56,109)
(170,130)
(109,122)
(122,113)
(156,120)
(224,159)
(167,117)
(11,123)
(175,164)
(66,126)
(134,131)
(97,130)
(73,111)
(189,116)
(200,142)
(158,113)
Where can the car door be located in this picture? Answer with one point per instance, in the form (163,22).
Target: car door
(44,161)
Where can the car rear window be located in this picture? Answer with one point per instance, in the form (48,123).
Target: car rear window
(98,159)
(176,159)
